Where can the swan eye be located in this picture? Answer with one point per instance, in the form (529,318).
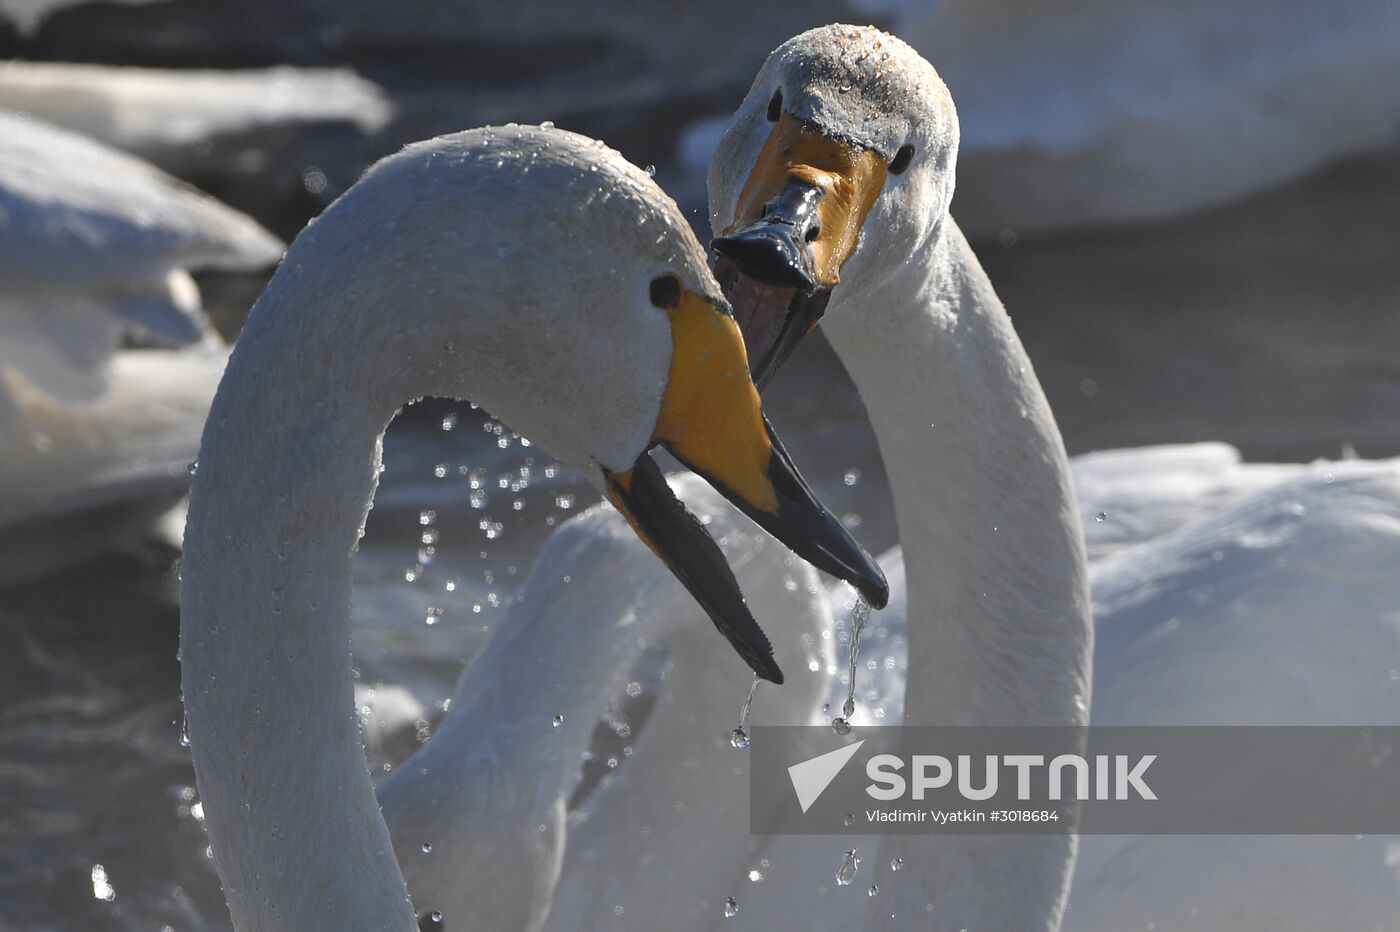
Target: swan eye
(775,106)
(901,159)
(665,291)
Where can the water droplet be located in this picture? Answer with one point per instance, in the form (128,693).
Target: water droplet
(851,477)
(840,726)
(897,864)
(755,875)
(427,847)
(731,908)
(874,889)
(547,124)
(102,888)
(449,421)
(194,470)
(558,720)
(739,737)
(850,864)
(1101,517)
(184,732)
(848,820)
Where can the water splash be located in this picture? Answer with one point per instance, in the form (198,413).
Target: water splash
(860,614)
(731,908)
(739,737)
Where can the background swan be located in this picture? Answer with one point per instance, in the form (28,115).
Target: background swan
(974,463)
(95,252)
(160,113)
(291,451)
(1121,112)
(581,646)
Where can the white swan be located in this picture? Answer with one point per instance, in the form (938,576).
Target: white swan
(547,279)
(838,167)
(835,175)
(95,246)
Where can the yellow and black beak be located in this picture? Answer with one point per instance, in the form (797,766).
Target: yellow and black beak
(711,420)
(798,220)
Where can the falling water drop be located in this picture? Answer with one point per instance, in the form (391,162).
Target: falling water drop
(1101,517)
(184,732)
(427,847)
(897,864)
(848,820)
(850,864)
(731,908)
(651,171)
(874,889)
(193,468)
(739,737)
(860,614)
(558,720)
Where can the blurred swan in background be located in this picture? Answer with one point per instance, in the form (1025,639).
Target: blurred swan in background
(401,289)
(830,191)
(107,361)
(1116,111)
(159,113)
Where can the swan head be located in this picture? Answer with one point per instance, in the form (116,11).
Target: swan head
(837,167)
(541,275)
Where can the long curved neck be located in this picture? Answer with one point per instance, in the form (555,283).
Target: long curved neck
(999,618)
(999,624)
(287,470)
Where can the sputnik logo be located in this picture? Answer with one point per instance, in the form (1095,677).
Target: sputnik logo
(811,777)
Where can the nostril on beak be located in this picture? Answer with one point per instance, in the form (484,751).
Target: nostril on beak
(814,231)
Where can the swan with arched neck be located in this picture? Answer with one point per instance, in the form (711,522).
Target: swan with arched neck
(545,278)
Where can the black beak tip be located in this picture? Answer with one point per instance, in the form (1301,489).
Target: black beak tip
(767,253)
(875,588)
